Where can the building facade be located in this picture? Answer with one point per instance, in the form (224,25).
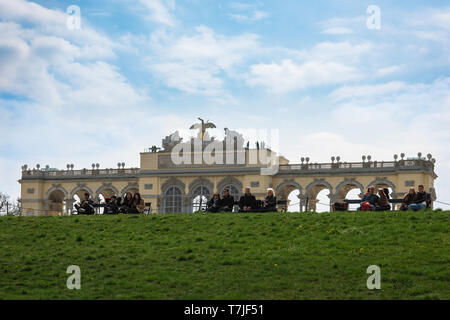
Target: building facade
(174,187)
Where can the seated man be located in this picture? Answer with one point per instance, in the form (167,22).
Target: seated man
(86,206)
(371,198)
(421,201)
(112,207)
(227,202)
(248,202)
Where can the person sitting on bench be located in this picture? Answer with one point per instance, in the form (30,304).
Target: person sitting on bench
(227,201)
(422,200)
(248,202)
(371,198)
(137,205)
(112,207)
(409,199)
(127,203)
(214,203)
(269,204)
(86,206)
(384,202)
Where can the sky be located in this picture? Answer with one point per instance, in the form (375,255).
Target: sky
(132,72)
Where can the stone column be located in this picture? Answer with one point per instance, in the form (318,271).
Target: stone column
(312,204)
(302,199)
(69,206)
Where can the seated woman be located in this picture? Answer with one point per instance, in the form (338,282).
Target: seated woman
(409,199)
(127,203)
(383,204)
(214,203)
(269,204)
(138,204)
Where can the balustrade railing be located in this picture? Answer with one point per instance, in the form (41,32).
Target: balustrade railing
(77,173)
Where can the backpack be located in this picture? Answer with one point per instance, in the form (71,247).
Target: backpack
(365,206)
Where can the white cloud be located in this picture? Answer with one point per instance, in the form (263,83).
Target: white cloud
(159,11)
(247,12)
(254,16)
(288,76)
(197,64)
(324,64)
(371,91)
(382,72)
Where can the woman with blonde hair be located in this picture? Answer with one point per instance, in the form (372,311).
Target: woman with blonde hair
(270,202)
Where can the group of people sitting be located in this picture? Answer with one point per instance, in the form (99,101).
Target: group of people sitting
(416,200)
(372,201)
(114,205)
(247,203)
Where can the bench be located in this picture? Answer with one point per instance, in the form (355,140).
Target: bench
(279,202)
(358,201)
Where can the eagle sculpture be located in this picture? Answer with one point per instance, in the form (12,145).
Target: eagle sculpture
(202,126)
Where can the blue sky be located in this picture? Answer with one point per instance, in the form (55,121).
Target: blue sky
(139,70)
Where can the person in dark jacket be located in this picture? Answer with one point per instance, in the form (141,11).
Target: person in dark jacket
(86,206)
(137,205)
(248,202)
(269,204)
(127,203)
(409,199)
(227,201)
(422,200)
(371,198)
(112,207)
(214,203)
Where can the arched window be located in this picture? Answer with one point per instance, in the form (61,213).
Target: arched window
(234,191)
(200,198)
(173,200)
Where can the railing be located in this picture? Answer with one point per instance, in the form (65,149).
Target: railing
(420,164)
(77,173)
(368,165)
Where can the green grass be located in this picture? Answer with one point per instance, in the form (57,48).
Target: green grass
(227,256)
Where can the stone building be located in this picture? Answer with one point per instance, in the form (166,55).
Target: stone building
(176,187)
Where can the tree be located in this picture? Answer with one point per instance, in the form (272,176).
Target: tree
(9,207)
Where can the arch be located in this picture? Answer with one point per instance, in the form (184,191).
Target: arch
(200,197)
(173,182)
(285,188)
(342,190)
(317,183)
(106,187)
(382,182)
(200,182)
(81,187)
(56,202)
(54,188)
(229,181)
(314,189)
(173,200)
(130,186)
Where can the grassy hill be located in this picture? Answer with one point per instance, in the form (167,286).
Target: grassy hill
(227,256)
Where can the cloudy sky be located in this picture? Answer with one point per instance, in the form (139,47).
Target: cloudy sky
(136,71)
